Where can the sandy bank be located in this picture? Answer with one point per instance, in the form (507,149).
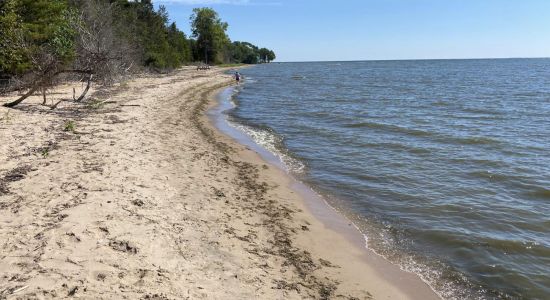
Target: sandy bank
(140,198)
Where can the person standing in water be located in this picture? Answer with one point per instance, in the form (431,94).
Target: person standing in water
(237,77)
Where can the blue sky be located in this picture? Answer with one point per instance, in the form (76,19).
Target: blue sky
(320,30)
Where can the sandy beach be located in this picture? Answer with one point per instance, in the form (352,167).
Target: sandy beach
(135,195)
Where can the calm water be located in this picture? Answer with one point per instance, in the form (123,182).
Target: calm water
(444,164)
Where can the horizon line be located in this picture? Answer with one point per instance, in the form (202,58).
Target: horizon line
(413,59)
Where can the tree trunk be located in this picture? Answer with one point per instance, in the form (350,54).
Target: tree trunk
(41,83)
(25,96)
(44,95)
(86,89)
(54,106)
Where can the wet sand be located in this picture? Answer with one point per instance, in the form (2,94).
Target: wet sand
(136,195)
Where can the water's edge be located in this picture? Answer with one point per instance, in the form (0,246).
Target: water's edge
(443,165)
(318,205)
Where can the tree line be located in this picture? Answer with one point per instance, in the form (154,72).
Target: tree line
(41,41)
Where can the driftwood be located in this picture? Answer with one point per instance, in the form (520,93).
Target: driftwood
(54,106)
(86,89)
(20,289)
(42,84)
(25,96)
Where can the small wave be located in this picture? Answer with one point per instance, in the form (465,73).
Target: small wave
(431,271)
(398,147)
(479,162)
(389,127)
(441,103)
(492,176)
(273,143)
(540,193)
(481,111)
(420,151)
(474,140)
(514,246)
(527,94)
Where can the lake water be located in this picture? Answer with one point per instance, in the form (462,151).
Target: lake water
(443,164)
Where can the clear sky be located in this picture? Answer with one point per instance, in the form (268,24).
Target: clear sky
(320,30)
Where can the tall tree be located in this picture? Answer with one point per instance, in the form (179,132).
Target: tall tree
(271,56)
(46,35)
(247,53)
(13,54)
(36,35)
(264,53)
(180,46)
(210,32)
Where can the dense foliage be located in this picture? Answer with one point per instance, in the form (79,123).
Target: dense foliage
(244,52)
(104,37)
(35,34)
(210,32)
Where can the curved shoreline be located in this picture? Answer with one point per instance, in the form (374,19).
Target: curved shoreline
(142,198)
(391,276)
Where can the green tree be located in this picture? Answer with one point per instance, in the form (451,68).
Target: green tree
(210,32)
(36,35)
(247,53)
(160,45)
(263,53)
(43,33)
(180,46)
(271,56)
(13,54)
(48,27)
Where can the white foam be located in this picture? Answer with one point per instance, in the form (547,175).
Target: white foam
(269,141)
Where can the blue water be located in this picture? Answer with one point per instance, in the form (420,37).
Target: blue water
(443,164)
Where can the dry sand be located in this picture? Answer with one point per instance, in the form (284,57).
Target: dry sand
(138,197)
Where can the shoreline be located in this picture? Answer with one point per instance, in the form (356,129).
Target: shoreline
(140,197)
(317,207)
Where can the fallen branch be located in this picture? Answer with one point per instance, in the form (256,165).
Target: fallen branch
(54,106)
(25,96)
(41,83)
(86,89)
(19,289)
